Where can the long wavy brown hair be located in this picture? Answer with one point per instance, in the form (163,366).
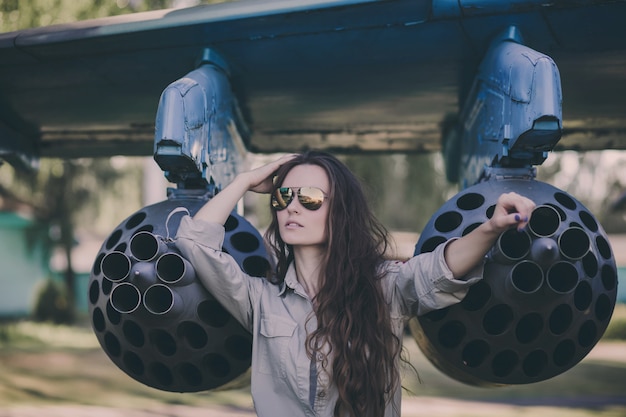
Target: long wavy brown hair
(352,315)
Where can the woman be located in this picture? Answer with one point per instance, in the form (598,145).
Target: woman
(327,327)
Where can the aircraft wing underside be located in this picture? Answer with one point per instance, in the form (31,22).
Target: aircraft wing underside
(347,75)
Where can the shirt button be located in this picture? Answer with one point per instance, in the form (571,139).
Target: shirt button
(322,394)
(320,357)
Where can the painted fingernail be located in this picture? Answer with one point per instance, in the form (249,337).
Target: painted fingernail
(517,217)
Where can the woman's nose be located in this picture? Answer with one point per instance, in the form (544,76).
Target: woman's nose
(294,206)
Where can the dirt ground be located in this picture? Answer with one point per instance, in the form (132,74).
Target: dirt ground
(411,407)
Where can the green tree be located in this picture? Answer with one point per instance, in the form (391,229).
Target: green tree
(405,190)
(22,14)
(597,179)
(66,194)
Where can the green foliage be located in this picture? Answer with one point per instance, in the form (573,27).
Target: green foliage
(617,327)
(23,14)
(52,304)
(404,190)
(577,173)
(70,195)
(27,335)
(10,335)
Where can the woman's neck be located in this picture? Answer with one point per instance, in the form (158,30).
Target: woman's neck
(308,263)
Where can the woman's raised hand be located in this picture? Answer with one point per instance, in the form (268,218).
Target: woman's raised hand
(261,179)
(218,208)
(463,254)
(511,210)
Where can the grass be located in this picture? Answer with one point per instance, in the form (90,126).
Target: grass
(617,326)
(48,366)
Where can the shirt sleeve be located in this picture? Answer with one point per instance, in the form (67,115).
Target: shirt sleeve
(425,282)
(200,243)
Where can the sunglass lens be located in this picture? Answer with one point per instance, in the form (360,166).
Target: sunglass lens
(311,198)
(281,198)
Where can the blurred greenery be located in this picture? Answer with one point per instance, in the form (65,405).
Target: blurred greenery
(66,195)
(405,190)
(22,14)
(597,179)
(53,304)
(617,326)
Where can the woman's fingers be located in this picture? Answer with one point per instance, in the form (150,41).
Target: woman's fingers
(513,209)
(261,178)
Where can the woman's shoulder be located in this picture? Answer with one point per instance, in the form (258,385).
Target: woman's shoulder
(391,266)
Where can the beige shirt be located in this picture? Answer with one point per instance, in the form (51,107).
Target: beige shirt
(285,381)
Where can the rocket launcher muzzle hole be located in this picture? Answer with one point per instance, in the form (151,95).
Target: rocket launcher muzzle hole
(511,246)
(144,246)
(574,243)
(526,277)
(562,277)
(125,298)
(115,266)
(160,299)
(544,221)
(171,268)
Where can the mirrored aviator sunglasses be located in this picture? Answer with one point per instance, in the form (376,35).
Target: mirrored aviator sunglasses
(311,198)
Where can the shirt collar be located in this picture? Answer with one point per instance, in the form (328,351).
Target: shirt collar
(290,281)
